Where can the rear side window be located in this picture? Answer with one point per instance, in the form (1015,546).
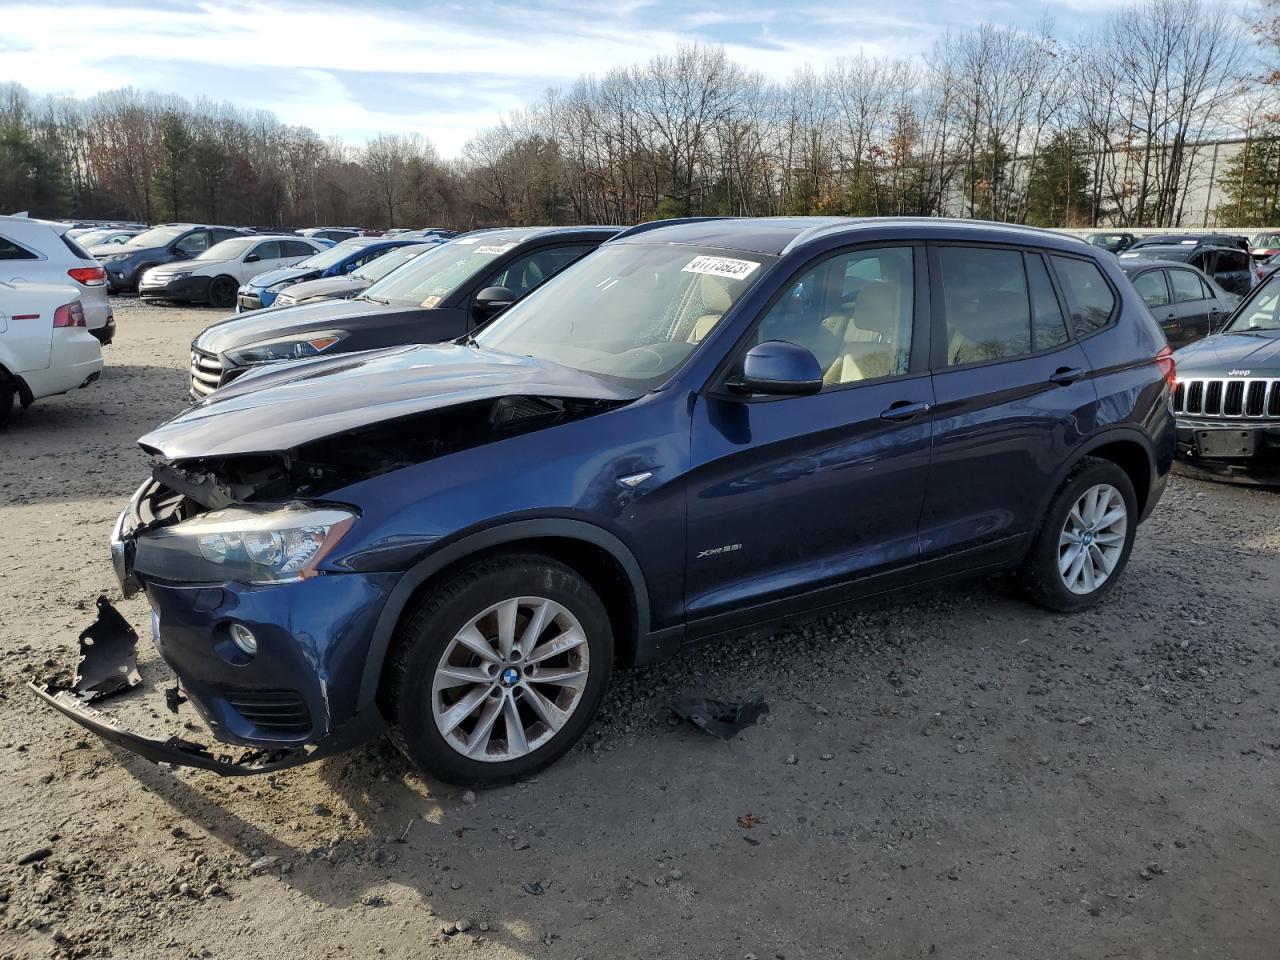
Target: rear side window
(1152,288)
(1047,322)
(11,251)
(296,248)
(1089,297)
(77,251)
(1186,286)
(1233,262)
(986,304)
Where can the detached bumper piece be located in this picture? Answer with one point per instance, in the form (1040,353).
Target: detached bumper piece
(108,666)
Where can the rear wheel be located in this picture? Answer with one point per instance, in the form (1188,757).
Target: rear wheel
(222,292)
(498,670)
(1084,543)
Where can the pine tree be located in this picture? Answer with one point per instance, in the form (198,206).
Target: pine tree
(1058,189)
(1251,182)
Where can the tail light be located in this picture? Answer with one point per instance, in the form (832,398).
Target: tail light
(89,276)
(1168,367)
(69,315)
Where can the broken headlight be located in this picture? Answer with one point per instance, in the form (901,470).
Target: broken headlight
(285,348)
(247,544)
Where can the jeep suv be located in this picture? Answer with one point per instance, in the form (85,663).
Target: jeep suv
(699,427)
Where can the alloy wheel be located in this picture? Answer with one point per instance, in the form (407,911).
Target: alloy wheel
(510,679)
(1093,538)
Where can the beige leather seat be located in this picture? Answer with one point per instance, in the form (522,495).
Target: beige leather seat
(715,301)
(873,336)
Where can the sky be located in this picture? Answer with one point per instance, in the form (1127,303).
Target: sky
(364,67)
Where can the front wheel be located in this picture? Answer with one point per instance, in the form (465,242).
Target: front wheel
(222,292)
(498,670)
(1086,538)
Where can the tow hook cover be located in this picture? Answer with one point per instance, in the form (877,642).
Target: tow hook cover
(108,661)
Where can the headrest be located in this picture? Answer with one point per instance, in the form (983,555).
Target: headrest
(715,298)
(875,311)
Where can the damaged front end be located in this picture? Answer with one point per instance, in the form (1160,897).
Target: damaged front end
(266,629)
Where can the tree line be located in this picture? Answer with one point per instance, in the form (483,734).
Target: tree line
(993,122)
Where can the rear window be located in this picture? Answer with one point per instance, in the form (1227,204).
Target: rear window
(1089,296)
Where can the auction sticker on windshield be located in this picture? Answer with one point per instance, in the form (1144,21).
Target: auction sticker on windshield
(495,248)
(721,267)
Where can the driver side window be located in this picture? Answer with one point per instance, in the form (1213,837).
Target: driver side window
(524,273)
(194,243)
(852,312)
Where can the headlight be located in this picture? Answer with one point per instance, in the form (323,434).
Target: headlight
(179,276)
(286,348)
(256,545)
(115,258)
(278,285)
(284,300)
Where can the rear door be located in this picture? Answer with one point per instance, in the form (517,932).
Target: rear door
(1014,400)
(1194,307)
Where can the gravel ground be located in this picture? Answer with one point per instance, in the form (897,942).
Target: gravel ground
(954,774)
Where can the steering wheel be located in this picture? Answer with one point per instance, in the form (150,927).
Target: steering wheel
(634,360)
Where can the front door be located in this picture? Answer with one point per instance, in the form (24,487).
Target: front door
(789,495)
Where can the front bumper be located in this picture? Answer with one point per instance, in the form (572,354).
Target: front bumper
(119,275)
(1244,451)
(253,298)
(184,290)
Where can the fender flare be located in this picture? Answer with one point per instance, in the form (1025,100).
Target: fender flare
(1106,436)
(506,533)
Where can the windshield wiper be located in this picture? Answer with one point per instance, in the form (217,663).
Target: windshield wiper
(385,303)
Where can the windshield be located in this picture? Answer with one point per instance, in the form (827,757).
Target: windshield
(231,249)
(438,273)
(157,237)
(1262,312)
(633,312)
(1266,240)
(329,256)
(379,268)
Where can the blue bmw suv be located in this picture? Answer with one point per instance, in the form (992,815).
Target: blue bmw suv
(700,427)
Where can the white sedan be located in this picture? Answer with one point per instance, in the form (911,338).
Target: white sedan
(216,275)
(45,347)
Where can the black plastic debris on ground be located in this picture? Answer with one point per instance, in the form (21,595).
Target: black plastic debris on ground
(108,656)
(717,717)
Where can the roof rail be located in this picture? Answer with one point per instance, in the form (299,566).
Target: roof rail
(655,224)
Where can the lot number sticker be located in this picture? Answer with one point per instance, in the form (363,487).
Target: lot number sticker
(721,267)
(495,248)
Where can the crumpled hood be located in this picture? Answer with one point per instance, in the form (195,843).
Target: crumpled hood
(256,325)
(285,405)
(264,280)
(1257,352)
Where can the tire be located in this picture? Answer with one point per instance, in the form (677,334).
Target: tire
(8,390)
(222,292)
(1054,575)
(437,718)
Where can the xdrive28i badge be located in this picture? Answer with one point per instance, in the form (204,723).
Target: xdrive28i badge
(713,551)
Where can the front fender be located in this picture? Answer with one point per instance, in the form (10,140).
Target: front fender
(512,532)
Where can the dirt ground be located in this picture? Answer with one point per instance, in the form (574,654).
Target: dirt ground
(952,775)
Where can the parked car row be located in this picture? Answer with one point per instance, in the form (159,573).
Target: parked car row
(449,506)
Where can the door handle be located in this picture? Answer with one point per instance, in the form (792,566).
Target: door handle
(1065,376)
(904,410)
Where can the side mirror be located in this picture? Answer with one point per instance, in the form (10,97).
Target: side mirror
(778,368)
(350,267)
(492,299)
(252,258)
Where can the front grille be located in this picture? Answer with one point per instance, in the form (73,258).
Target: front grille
(281,711)
(1229,399)
(206,373)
